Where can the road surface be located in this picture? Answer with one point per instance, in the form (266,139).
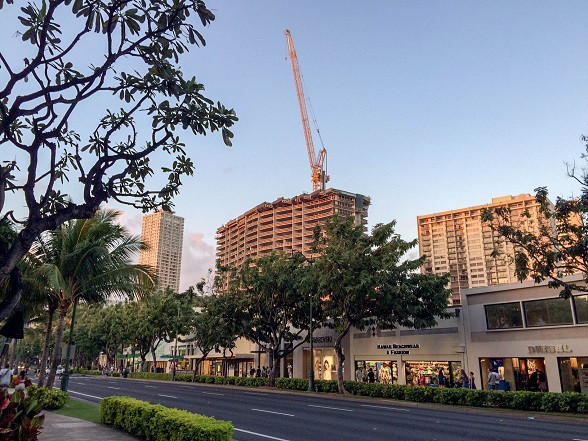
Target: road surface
(260,415)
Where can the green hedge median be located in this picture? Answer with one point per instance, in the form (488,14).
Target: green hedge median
(153,422)
(209,379)
(48,399)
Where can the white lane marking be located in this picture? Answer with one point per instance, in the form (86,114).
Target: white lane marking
(83,384)
(386,407)
(212,393)
(329,407)
(79,393)
(260,434)
(255,393)
(579,439)
(115,388)
(271,411)
(152,387)
(167,396)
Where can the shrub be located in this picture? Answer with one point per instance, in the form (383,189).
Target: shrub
(19,417)
(570,401)
(477,398)
(526,400)
(451,396)
(158,423)
(48,399)
(326,386)
(292,383)
(499,399)
(86,371)
(150,376)
(551,402)
(420,394)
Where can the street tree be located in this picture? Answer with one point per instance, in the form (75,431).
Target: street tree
(269,299)
(97,92)
(88,260)
(558,246)
(367,280)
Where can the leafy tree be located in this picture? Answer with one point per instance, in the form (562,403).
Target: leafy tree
(270,304)
(132,52)
(364,279)
(88,260)
(556,247)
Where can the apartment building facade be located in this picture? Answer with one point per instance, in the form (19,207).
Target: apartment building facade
(285,225)
(163,232)
(459,243)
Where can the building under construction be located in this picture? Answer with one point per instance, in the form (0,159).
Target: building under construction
(285,225)
(288,224)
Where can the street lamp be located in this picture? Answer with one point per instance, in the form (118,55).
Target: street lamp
(65,378)
(173,373)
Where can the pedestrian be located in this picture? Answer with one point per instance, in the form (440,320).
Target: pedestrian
(289,371)
(441,378)
(258,372)
(358,374)
(252,372)
(463,379)
(493,379)
(542,380)
(5,377)
(371,376)
(22,381)
(472,381)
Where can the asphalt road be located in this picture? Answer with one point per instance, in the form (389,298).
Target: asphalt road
(258,415)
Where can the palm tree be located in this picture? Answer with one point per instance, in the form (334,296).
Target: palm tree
(88,260)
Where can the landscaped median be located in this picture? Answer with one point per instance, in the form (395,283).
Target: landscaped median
(153,422)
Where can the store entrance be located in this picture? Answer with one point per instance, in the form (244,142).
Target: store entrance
(573,373)
(385,372)
(424,373)
(520,373)
(325,364)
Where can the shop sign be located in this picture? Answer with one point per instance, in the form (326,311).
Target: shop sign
(324,339)
(557,349)
(398,349)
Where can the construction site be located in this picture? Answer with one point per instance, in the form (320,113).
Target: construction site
(287,224)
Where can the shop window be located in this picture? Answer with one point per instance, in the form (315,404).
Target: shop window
(518,373)
(325,364)
(386,372)
(504,316)
(573,373)
(425,373)
(549,312)
(581,305)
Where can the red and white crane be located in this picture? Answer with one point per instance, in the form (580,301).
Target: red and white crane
(318,176)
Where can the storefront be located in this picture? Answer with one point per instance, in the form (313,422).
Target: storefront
(409,356)
(535,339)
(325,364)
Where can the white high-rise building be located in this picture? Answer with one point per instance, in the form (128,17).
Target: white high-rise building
(163,232)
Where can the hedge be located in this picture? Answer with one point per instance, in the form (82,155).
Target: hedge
(48,399)
(154,422)
(520,400)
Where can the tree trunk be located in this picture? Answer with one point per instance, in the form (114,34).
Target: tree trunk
(273,361)
(12,358)
(56,357)
(340,360)
(154,368)
(143,361)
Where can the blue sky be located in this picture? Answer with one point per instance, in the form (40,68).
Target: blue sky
(423,105)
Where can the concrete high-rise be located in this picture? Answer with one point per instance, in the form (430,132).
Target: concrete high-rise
(286,224)
(459,243)
(163,232)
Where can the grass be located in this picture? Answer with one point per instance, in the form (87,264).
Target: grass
(81,409)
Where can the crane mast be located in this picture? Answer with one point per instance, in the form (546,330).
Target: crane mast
(318,174)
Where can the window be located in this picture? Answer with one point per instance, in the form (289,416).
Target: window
(504,316)
(581,304)
(548,312)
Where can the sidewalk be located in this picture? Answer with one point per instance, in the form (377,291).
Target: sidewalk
(60,427)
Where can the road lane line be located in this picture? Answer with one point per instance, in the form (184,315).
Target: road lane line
(255,393)
(167,396)
(79,393)
(386,407)
(212,393)
(329,407)
(83,384)
(152,387)
(260,434)
(271,411)
(115,388)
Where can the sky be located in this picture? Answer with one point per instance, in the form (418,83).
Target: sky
(425,106)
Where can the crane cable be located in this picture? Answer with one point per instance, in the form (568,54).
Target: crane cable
(314,121)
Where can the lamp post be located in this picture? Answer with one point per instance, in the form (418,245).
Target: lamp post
(65,377)
(173,373)
(311,373)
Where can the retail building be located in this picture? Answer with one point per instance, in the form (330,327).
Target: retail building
(525,331)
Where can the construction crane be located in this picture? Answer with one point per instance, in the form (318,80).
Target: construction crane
(318,174)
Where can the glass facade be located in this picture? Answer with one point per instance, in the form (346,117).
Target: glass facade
(385,372)
(424,373)
(573,372)
(504,316)
(549,312)
(581,306)
(519,373)
(325,364)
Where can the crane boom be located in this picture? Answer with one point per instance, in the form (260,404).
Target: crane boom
(318,174)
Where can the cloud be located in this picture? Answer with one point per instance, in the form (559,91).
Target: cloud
(197,258)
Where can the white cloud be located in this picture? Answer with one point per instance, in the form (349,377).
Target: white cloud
(197,258)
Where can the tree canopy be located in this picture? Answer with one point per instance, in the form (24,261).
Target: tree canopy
(77,55)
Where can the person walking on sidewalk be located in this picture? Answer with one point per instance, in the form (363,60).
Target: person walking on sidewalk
(5,377)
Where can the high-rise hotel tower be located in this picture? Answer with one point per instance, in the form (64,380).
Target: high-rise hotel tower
(163,232)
